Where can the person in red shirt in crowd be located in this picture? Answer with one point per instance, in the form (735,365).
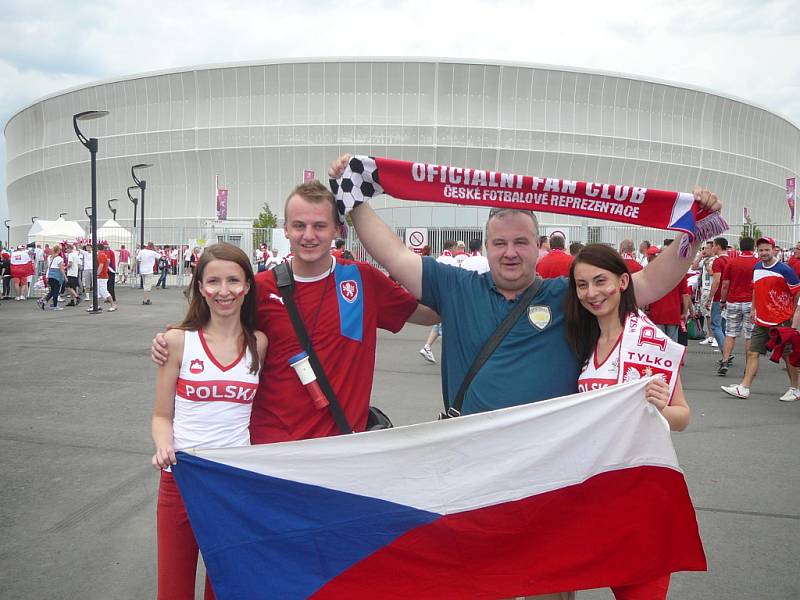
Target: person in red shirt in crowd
(794,261)
(670,310)
(720,250)
(544,247)
(775,289)
(557,261)
(338,248)
(626,251)
(737,300)
(103,264)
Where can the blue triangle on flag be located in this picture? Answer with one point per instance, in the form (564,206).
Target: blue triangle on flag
(267,537)
(685,222)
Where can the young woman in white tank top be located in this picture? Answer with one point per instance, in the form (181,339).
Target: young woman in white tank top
(204,396)
(599,302)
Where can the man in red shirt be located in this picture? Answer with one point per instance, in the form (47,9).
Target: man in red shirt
(103,263)
(794,261)
(557,261)
(671,309)
(626,250)
(720,250)
(736,299)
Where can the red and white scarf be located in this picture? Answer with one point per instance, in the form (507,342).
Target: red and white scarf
(366,177)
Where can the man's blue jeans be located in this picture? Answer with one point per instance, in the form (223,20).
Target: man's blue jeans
(718,324)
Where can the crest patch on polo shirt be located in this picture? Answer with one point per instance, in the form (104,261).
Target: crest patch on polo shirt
(539,316)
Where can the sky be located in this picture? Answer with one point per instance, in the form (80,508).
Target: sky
(746,48)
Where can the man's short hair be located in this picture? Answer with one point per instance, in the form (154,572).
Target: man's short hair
(499,213)
(576,247)
(645,243)
(746,244)
(475,245)
(339,243)
(448,244)
(557,242)
(721,242)
(316,193)
(625,246)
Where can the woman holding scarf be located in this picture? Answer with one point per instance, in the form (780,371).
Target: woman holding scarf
(603,322)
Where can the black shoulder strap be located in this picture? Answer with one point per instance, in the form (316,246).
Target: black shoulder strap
(285,281)
(492,343)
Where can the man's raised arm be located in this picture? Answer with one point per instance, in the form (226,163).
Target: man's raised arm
(378,239)
(664,273)
(384,246)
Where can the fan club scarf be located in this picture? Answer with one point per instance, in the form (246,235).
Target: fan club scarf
(366,177)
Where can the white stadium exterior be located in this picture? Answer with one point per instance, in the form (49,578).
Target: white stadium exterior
(258,126)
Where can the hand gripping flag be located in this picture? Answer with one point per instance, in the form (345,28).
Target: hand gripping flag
(572,493)
(366,177)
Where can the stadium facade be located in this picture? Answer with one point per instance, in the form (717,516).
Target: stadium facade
(256,127)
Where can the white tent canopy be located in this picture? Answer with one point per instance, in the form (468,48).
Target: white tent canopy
(56,231)
(38,226)
(114,233)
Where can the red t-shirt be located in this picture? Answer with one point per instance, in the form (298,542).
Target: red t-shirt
(718,266)
(102,264)
(282,409)
(669,309)
(632,264)
(739,272)
(795,264)
(555,264)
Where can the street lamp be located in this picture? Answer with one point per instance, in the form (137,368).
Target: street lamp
(62,215)
(142,185)
(112,209)
(34,219)
(91,145)
(8,232)
(135,202)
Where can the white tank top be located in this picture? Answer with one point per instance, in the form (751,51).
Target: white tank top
(594,376)
(212,401)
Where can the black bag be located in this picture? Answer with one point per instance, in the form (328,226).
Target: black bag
(506,325)
(376,418)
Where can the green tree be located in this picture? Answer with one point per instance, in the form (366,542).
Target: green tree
(266,218)
(750,229)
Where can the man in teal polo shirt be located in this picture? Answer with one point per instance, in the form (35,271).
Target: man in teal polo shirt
(533,362)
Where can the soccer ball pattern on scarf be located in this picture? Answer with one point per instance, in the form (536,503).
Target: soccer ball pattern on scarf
(359,182)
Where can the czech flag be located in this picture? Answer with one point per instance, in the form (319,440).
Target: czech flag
(572,493)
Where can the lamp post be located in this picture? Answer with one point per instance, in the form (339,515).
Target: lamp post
(112,209)
(62,215)
(142,185)
(91,145)
(8,232)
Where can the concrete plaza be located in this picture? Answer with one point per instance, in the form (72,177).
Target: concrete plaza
(77,502)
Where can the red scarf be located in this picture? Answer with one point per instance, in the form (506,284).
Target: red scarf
(366,177)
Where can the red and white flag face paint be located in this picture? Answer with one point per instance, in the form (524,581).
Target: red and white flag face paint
(572,493)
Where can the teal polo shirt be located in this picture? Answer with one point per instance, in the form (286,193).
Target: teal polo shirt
(532,363)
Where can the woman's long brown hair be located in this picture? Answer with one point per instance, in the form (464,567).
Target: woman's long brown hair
(582,328)
(199,314)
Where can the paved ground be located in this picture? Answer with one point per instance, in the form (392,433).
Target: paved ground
(77,501)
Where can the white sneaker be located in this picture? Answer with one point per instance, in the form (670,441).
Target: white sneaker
(706,341)
(714,344)
(736,390)
(427,354)
(791,395)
